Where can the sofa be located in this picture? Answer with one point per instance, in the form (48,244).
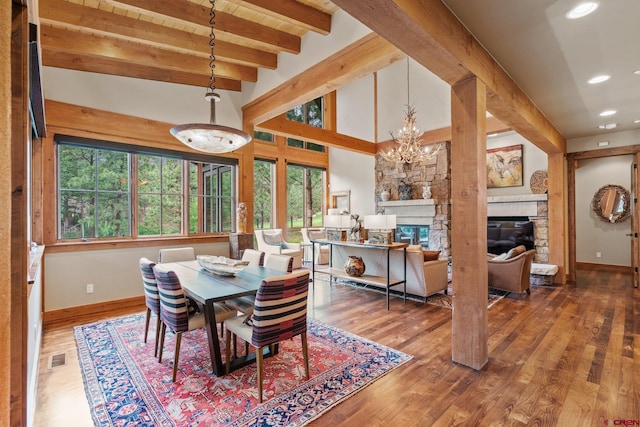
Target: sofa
(424,278)
(503,236)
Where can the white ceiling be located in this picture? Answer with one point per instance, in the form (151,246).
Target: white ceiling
(551,57)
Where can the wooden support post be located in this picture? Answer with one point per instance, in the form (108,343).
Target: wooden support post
(469,337)
(557,209)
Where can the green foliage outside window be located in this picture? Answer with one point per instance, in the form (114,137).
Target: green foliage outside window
(96,190)
(310,113)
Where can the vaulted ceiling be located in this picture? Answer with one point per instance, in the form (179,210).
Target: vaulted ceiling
(168,40)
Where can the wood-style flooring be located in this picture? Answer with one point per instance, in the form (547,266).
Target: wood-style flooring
(563,356)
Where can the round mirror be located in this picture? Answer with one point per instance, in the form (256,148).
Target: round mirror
(612,203)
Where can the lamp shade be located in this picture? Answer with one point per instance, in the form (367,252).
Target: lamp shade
(380,222)
(337,221)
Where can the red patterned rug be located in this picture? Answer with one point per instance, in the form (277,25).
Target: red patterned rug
(125,384)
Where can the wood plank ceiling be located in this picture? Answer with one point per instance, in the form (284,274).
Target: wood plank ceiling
(168,40)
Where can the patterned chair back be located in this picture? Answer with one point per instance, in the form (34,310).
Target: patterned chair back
(173,304)
(283,263)
(280,309)
(254,257)
(151,296)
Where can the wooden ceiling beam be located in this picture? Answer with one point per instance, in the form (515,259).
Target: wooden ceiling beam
(74,16)
(198,15)
(431,34)
(113,67)
(292,12)
(357,60)
(61,40)
(280,125)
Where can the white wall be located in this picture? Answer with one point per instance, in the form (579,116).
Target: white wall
(114,273)
(592,234)
(533,159)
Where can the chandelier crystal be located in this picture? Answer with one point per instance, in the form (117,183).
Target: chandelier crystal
(408,143)
(211,138)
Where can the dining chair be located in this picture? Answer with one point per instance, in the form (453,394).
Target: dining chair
(283,263)
(280,313)
(176,254)
(151,299)
(174,313)
(253,256)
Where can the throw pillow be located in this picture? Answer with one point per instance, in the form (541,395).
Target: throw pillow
(515,252)
(274,239)
(500,257)
(431,255)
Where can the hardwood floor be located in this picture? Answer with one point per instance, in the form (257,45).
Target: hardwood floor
(562,356)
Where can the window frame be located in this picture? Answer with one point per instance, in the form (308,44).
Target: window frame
(132,152)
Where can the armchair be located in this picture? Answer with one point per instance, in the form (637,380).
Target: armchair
(321,251)
(272,242)
(511,274)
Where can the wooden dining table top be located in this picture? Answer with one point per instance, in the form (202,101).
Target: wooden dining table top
(204,286)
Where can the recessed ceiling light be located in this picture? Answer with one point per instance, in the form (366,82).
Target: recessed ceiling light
(636,121)
(583,9)
(636,72)
(608,113)
(599,79)
(608,126)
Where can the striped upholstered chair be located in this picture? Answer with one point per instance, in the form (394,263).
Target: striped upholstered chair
(151,298)
(174,311)
(280,313)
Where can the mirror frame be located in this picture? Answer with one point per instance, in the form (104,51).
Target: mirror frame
(596,203)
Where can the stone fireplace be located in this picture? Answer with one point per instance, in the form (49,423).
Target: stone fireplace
(435,212)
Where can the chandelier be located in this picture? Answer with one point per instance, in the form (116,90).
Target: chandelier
(408,143)
(211,138)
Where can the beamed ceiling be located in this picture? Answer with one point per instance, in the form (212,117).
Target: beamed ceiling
(168,40)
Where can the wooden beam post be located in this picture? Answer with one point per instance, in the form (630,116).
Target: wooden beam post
(557,214)
(469,337)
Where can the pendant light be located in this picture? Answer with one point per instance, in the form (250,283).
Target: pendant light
(211,138)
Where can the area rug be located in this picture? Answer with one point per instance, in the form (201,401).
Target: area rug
(125,384)
(445,301)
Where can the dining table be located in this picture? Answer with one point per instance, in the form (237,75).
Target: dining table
(208,288)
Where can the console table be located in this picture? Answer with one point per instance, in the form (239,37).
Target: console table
(363,249)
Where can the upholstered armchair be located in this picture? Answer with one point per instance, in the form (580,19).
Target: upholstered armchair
(511,274)
(272,242)
(321,251)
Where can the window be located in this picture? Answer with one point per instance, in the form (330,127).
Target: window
(263,203)
(103,191)
(310,113)
(305,196)
(263,136)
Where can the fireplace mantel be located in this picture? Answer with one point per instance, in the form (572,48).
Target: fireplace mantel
(520,205)
(411,212)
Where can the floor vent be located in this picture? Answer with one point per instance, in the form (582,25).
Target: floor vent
(56,360)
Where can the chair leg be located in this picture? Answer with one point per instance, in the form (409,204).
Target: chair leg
(235,345)
(146,324)
(176,357)
(162,334)
(227,351)
(305,353)
(158,323)
(259,366)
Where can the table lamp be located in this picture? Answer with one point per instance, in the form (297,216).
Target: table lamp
(380,228)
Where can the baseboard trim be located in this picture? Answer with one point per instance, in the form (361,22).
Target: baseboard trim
(92,309)
(606,267)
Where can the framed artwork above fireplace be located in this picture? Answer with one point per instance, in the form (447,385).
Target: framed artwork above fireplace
(504,166)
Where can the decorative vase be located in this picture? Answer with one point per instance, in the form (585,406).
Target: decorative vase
(354,266)
(385,196)
(405,191)
(426,192)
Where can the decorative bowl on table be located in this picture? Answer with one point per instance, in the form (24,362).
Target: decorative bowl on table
(220,265)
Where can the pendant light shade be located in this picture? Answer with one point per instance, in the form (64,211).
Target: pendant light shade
(211,138)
